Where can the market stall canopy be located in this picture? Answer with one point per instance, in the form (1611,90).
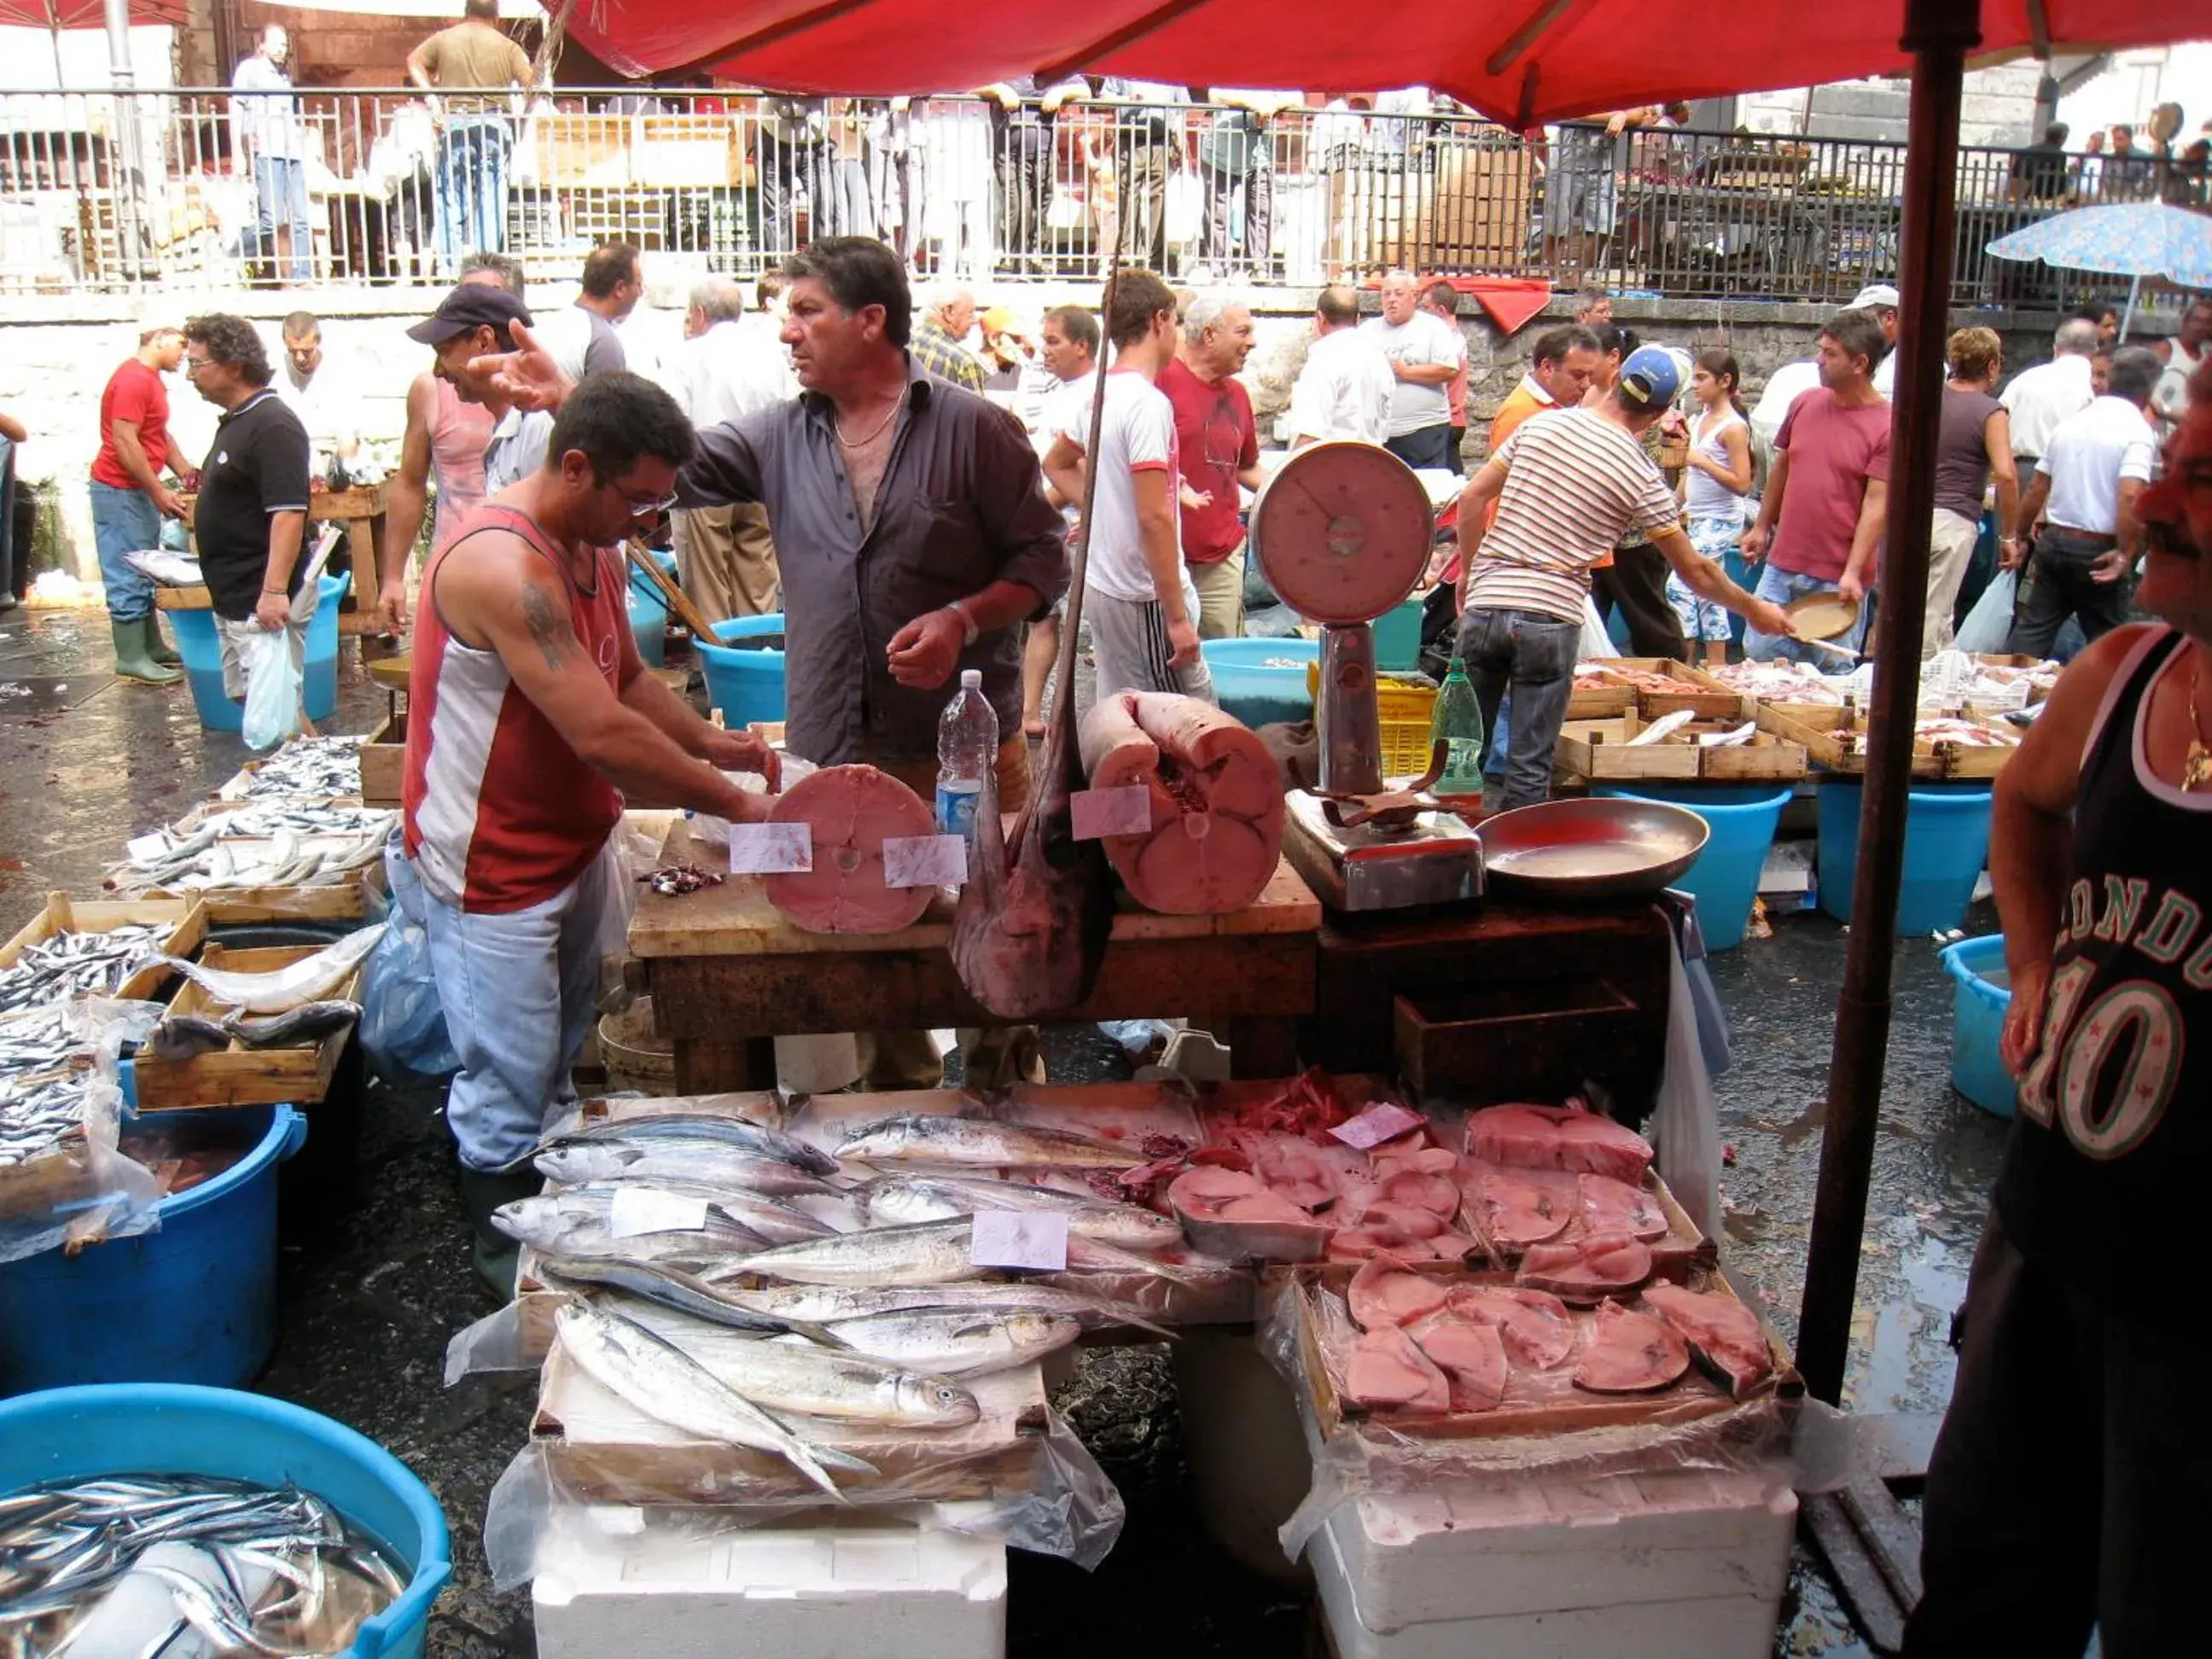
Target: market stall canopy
(2132,239)
(85,13)
(1521,61)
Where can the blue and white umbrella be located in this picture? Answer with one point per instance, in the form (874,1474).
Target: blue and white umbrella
(2133,239)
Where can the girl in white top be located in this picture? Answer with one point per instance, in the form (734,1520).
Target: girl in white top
(1714,484)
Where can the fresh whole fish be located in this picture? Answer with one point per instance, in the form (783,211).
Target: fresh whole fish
(281,989)
(831,1303)
(957,1341)
(266,819)
(69,963)
(311,768)
(893,1200)
(308,1021)
(923,1138)
(667,1127)
(285,859)
(836,1385)
(930,1253)
(164,569)
(578,1222)
(776,1223)
(187,1036)
(661,1379)
(40,1115)
(672,1288)
(573,1163)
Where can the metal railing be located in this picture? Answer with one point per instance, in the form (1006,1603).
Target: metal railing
(203,189)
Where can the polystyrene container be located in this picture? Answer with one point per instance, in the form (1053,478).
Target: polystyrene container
(202,651)
(1979,1003)
(157,1429)
(745,684)
(1725,879)
(1947,842)
(648,612)
(1253,690)
(194,1301)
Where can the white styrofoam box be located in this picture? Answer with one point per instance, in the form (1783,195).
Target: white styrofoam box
(825,1592)
(1541,1545)
(1713,1627)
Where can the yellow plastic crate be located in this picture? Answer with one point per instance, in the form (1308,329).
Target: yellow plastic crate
(1407,713)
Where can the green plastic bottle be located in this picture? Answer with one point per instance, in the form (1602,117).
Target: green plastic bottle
(1458,722)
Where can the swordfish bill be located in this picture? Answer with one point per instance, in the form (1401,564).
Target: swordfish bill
(1030,934)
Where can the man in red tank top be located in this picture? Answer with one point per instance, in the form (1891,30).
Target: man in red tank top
(529,711)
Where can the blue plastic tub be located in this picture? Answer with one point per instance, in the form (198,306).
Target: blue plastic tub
(193,1302)
(1398,638)
(1947,842)
(648,612)
(1979,1003)
(1725,879)
(82,1434)
(202,651)
(746,685)
(1253,692)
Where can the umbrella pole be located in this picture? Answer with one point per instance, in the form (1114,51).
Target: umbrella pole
(1939,33)
(2128,316)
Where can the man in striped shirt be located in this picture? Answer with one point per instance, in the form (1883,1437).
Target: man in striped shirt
(1569,484)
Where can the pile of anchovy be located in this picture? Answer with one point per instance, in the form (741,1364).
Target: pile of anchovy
(204,858)
(247,1569)
(315,768)
(37,1116)
(275,815)
(69,963)
(673,880)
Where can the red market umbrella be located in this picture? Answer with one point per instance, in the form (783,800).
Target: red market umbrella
(85,13)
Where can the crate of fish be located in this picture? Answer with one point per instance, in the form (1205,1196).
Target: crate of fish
(1678,747)
(255,1027)
(309,768)
(321,875)
(106,948)
(1652,686)
(1962,742)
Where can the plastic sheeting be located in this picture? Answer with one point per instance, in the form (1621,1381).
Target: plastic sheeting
(86,1189)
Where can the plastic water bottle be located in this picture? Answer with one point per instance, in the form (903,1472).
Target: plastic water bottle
(1458,723)
(967,746)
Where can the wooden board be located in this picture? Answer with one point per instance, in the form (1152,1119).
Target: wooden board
(1600,751)
(187,916)
(1828,733)
(238,1076)
(737,919)
(383,761)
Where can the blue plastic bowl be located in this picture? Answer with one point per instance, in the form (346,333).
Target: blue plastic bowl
(121,1429)
(746,685)
(202,651)
(1254,692)
(1947,842)
(1725,879)
(194,1301)
(648,612)
(1978,1006)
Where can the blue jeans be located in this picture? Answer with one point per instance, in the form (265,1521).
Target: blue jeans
(519,991)
(472,187)
(125,521)
(1781,586)
(1432,447)
(280,186)
(1534,654)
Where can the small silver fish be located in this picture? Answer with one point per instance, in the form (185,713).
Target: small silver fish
(924,1138)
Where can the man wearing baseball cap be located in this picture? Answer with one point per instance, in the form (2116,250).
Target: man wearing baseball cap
(1880,299)
(1570,483)
(474,321)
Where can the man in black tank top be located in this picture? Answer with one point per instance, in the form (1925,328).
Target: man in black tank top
(2071,1486)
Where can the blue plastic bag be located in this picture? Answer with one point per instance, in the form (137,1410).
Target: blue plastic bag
(272,688)
(403,1022)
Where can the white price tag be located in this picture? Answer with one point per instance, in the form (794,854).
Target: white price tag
(771,849)
(1385,1121)
(147,849)
(924,860)
(1020,1238)
(638,1210)
(1126,810)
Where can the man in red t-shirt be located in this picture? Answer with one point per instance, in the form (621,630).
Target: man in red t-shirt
(1827,492)
(130,500)
(1218,446)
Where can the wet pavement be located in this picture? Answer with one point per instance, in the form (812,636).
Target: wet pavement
(375,1281)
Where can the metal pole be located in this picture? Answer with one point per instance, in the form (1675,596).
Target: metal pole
(130,163)
(1939,33)
(2127,317)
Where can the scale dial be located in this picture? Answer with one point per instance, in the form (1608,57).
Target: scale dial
(1343,532)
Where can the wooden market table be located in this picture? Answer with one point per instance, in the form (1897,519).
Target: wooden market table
(727,975)
(361,510)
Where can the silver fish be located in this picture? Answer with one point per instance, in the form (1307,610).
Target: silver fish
(572,1162)
(778,1224)
(661,1379)
(576,1221)
(309,1021)
(958,1342)
(281,989)
(920,1137)
(666,1126)
(896,1198)
(311,768)
(69,963)
(830,1303)
(931,1253)
(672,1288)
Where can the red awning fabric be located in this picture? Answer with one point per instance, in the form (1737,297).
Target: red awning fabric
(85,13)
(1521,62)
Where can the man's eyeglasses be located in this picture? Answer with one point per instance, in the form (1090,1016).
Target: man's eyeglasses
(194,365)
(639,510)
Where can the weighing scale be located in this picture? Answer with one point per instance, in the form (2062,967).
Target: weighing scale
(1342,532)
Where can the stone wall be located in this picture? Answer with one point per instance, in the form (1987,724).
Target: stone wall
(1998,107)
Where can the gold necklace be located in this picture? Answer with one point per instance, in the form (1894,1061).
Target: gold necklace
(2196,767)
(837,425)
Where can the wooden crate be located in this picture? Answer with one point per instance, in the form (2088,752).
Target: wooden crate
(1829,736)
(1599,751)
(187,916)
(383,761)
(1706,697)
(238,1076)
(689,150)
(583,150)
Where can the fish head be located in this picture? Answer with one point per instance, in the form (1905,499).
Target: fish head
(1035,1332)
(581,1161)
(936,1402)
(527,1221)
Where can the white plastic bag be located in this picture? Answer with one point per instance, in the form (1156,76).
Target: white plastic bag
(1596,641)
(1988,628)
(272,688)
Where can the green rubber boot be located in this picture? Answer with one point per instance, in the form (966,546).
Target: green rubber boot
(492,1253)
(157,646)
(133,660)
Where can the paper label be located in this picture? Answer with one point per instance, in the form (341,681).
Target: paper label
(638,1210)
(771,849)
(147,849)
(1126,810)
(924,860)
(1378,1123)
(1020,1238)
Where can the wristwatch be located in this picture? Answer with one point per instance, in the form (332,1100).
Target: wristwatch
(959,608)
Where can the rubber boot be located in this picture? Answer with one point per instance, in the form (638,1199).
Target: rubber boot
(492,1253)
(157,645)
(132,661)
